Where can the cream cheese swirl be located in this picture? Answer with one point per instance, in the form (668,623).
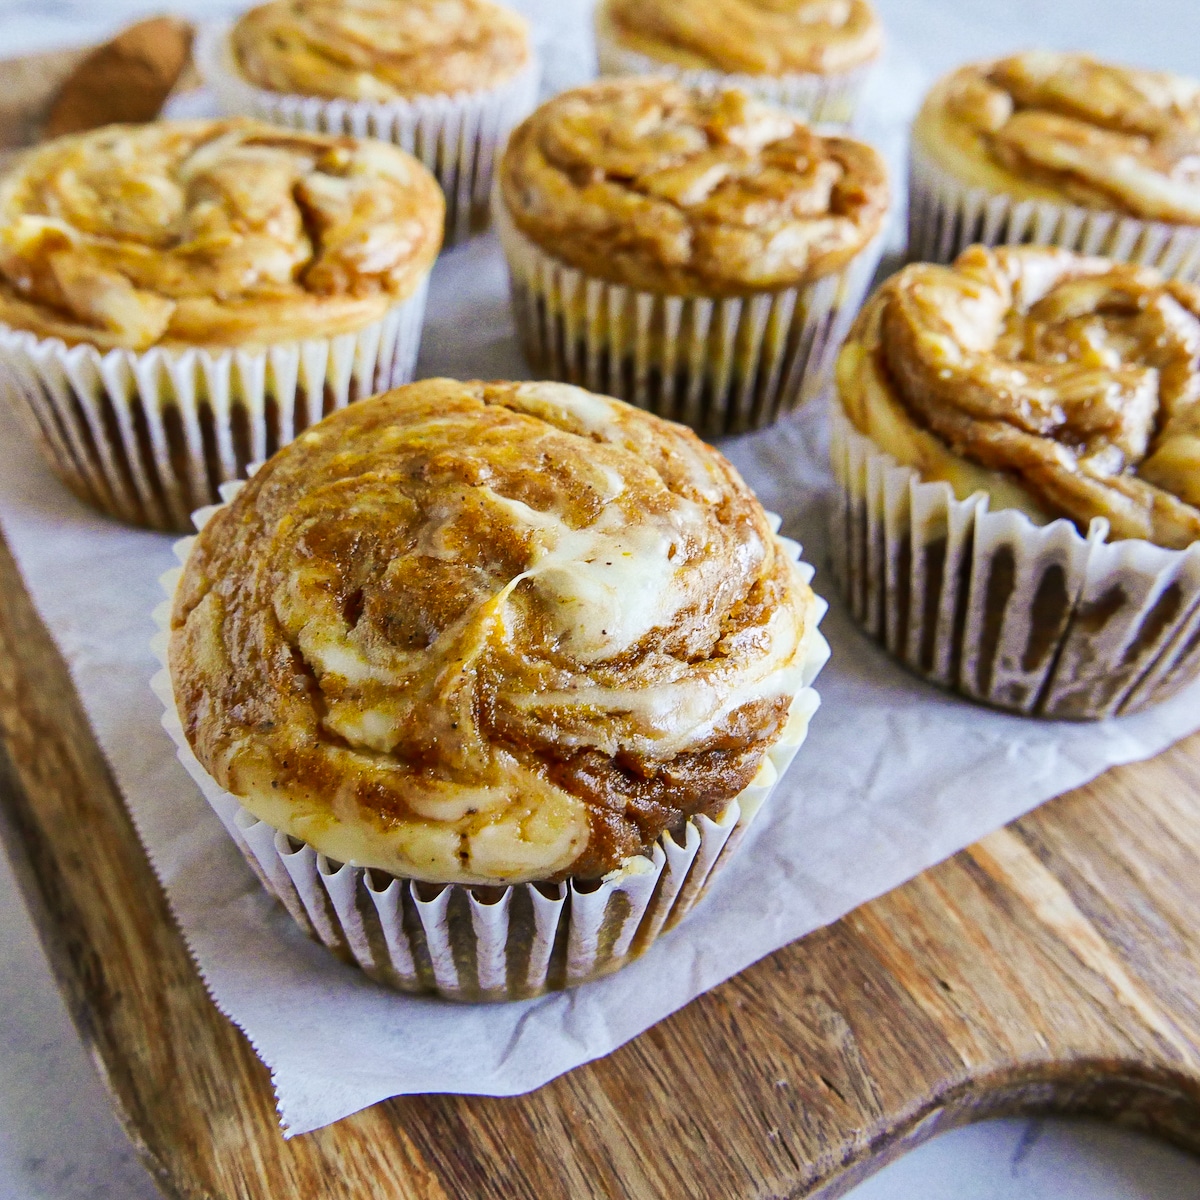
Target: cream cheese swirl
(1065,385)
(489,632)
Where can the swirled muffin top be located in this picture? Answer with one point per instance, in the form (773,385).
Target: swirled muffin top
(211,233)
(1064,386)
(1064,127)
(646,183)
(751,37)
(380,49)
(499,632)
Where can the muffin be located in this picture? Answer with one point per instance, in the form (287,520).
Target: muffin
(179,299)
(444,79)
(1058,149)
(811,56)
(1016,446)
(485,678)
(699,255)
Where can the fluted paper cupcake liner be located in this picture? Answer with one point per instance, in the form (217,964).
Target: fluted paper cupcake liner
(458,137)
(721,366)
(945,216)
(1039,620)
(489,943)
(149,437)
(820,99)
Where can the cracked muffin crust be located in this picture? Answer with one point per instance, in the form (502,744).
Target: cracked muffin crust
(225,233)
(488,633)
(380,49)
(1061,385)
(648,184)
(752,37)
(1063,127)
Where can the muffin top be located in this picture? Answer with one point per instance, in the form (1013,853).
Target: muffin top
(499,632)
(647,183)
(751,37)
(1064,127)
(380,49)
(1070,384)
(220,233)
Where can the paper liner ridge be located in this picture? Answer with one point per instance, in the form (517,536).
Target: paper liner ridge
(720,366)
(458,137)
(465,943)
(830,99)
(1039,620)
(946,216)
(150,437)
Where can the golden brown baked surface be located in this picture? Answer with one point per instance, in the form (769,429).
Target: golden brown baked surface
(211,233)
(1074,380)
(752,37)
(645,183)
(488,632)
(380,49)
(1045,125)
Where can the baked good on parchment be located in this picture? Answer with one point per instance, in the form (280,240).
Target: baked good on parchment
(1061,149)
(177,299)
(380,49)
(199,233)
(1019,437)
(446,79)
(495,634)
(696,254)
(809,55)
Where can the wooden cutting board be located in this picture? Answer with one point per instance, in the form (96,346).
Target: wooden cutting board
(1052,968)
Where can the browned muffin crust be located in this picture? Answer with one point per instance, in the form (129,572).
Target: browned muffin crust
(216,233)
(645,183)
(488,633)
(754,37)
(380,49)
(1077,378)
(1049,125)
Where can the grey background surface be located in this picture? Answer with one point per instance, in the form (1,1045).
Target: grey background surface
(58,1138)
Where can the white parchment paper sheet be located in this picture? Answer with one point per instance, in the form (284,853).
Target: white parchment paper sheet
(895,776)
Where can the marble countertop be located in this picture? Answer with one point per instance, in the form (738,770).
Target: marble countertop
(59,1139)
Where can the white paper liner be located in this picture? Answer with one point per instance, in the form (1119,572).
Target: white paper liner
(720,366)
(820,99)
(149,437)
(458,137)
(489,943)
(1035,619)
(945,216)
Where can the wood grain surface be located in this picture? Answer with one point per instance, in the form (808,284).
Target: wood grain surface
(1053,967)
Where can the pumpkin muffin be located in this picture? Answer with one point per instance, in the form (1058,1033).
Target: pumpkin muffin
(489,635)
(444,79)
(1017,444)
(178,299)
(698,255)
(810,56)
(1059,149)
